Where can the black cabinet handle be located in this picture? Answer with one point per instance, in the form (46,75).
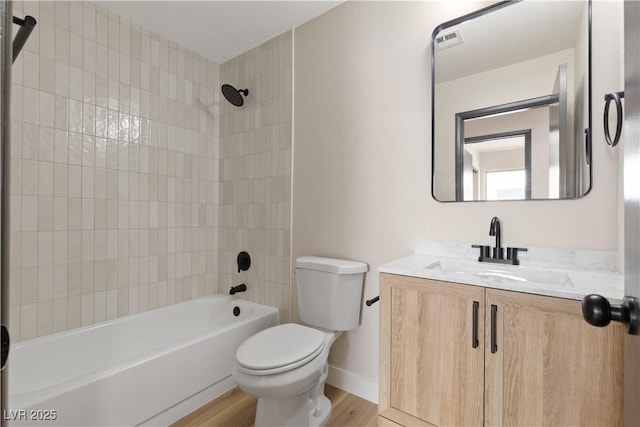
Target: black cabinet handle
(494,314)
(474,332)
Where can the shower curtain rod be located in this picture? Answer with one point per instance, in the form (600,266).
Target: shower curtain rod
(26,26)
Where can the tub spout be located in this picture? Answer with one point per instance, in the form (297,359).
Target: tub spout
(235,289)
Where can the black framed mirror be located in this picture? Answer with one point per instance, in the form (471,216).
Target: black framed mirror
(512,67)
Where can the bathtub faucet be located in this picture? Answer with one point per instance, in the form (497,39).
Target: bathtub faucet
(235,289)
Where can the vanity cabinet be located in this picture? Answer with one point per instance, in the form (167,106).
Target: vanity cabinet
(454,354)
(434,372)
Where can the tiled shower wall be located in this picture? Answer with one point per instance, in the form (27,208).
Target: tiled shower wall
(255,173)
(114,172)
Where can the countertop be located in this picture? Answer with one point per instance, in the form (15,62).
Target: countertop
(573,281)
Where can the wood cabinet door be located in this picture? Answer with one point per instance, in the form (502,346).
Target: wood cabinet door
(430,367)
(549,367)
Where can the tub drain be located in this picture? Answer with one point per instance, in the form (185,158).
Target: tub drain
(236,311)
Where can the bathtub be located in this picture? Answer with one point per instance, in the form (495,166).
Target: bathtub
(150,368)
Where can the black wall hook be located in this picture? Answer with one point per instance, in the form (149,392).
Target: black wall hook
(617,98)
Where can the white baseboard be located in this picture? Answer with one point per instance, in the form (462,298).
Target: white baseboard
(354,384)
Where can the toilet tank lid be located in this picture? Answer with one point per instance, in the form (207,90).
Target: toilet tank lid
(331,265)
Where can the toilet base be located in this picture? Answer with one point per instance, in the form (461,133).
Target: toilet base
(309,409)
(278,413)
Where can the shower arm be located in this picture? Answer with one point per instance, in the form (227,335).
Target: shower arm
(26,27)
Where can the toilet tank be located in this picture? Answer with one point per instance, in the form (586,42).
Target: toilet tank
(329,292)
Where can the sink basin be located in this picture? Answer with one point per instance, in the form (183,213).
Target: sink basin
(501,273)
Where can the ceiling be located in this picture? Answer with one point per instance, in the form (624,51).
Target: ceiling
(219,30)
(512,34)
(493,145)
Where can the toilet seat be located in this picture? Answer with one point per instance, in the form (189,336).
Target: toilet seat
(279,349)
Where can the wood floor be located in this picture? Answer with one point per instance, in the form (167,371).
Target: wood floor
(237,409)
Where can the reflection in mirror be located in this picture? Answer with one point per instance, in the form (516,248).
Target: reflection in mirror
(511,111)
(497,166)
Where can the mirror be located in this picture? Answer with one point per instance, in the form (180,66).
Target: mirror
(511,103)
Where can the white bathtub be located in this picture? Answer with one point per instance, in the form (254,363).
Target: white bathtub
(150,368)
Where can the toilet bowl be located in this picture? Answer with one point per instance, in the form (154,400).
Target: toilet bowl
(285,367)
(288,380)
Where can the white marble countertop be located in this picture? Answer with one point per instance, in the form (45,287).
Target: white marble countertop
(571,278)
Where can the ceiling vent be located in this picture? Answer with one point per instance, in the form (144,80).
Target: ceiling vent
(448,39)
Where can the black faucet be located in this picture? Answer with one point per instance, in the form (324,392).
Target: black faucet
(498,253)
(494,230)
(235,289)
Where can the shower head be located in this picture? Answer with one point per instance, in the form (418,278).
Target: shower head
(233,95)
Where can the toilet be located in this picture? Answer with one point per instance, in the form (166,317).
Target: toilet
(285,367)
